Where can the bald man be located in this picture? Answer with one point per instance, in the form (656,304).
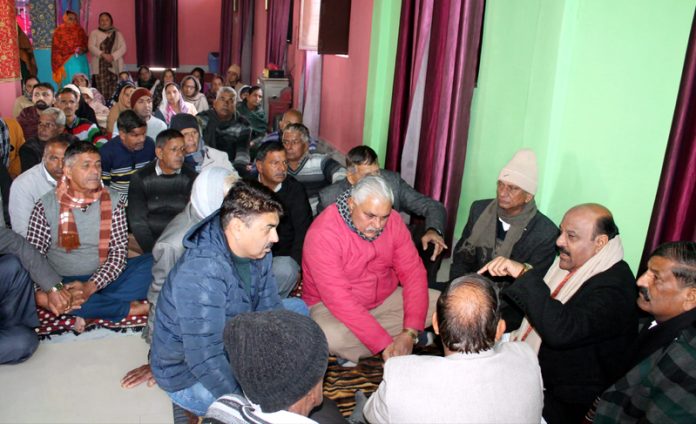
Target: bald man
(292,116)
(580,316)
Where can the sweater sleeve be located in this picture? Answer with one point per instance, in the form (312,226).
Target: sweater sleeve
(301,216)
(32,260)
(137,213)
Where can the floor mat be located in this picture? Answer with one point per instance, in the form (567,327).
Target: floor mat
(340,383)
(52,325)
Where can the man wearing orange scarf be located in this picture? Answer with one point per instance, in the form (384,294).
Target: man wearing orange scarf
(81,228)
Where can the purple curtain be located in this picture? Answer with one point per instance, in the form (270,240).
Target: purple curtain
(449,31)
(674,212)
(277,32)
(156,33)
(227,29)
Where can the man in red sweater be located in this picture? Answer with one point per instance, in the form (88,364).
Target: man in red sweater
(363,279)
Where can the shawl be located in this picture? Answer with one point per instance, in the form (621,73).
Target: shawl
(344,211)
(483,234)
(68,237)
(563,285)
(67,39)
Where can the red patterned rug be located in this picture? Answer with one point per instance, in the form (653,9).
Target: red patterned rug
(51,325)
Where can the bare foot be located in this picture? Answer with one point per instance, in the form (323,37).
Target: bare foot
(79,325)
(139,308)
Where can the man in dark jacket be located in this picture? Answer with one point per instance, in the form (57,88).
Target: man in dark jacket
(580,316)
(160,190)
(297,214)
(225,270)
(362,161)
(509,225)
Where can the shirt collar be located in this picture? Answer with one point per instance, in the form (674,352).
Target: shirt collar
(159,172)
(48,176)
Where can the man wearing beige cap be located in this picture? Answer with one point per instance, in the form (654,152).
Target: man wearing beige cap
(509,225)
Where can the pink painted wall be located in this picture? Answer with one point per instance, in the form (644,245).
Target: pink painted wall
(344,83)
(199,27)
(258,55)
(296,57)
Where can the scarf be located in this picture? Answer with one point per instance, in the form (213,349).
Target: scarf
(563,285)
(344,211)
(195,159)
(68,237)
(483,234)
(67,38)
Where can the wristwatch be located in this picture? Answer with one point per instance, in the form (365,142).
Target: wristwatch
(412,333)
(58,287)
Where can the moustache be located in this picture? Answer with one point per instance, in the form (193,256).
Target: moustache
(564,251)
(41,105)
(643,291)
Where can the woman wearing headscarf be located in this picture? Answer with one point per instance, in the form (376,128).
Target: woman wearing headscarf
(121,102)
(252,109)
(191,91)
(199,73)
(68,50)
(107,46)
(175,103)
(146,79)
(81,80)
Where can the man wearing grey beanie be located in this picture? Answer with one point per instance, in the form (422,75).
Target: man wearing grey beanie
(279,359)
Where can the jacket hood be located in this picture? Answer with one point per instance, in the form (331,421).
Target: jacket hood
(208,235)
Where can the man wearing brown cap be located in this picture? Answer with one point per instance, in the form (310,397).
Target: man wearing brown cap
(141,103)
(509,225)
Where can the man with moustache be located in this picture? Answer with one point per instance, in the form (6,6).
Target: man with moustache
(297,215)
(25,100)
(509,225)
(580,316)
(68,101)
(660,385)
(43,98)
(224,271)
(160,190)
(29,186)
(224,129)
(141,103)
(125,154)
(356,255)
(80,226)
(51,124)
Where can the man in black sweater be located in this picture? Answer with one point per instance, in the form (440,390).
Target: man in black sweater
(159,190)
(272,166)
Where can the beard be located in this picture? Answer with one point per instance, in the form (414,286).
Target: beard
(41,105)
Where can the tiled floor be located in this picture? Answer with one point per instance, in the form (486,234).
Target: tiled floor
(77,380)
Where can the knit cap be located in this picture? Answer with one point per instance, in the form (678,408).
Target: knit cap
(521,171)
(182,121)
(276,356)
(137,94)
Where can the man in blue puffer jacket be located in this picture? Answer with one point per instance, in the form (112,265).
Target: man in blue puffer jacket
(225,270)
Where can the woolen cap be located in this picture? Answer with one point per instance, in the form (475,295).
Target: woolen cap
(277,356)
(521,171)
(182,121)
(137,94)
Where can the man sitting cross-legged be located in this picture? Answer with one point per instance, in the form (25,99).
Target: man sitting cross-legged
(159,190)
(297,215)
(206,197)
(356,254)
(81,228)
(467,384)
(225,270)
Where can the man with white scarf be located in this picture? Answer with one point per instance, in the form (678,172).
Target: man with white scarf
(580,316)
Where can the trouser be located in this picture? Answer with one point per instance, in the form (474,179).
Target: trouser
(113,301)
(557,411)
(285,270)
(18,340)
(390,315)
(196,398)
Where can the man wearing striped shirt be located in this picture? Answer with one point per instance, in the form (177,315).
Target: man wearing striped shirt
(125,154)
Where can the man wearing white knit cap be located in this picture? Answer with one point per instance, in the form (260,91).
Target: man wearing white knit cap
(509,226)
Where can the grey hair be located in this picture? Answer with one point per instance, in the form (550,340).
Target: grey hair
(56,113)
(372,185)
(226,89)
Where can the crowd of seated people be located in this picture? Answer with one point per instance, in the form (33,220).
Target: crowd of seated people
(255,257)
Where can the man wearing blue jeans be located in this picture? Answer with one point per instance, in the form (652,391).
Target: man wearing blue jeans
(80,226)
(225,271)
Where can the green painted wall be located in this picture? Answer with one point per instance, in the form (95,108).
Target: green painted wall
(590,85)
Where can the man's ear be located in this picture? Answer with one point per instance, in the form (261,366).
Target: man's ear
(158,152)
(601,241)
(351,177)
(436,327)
(690,299)
(500,330)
